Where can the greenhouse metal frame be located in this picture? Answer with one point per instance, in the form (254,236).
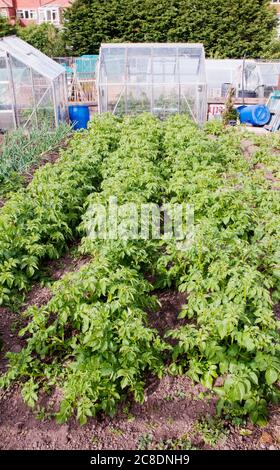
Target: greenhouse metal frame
(33,90)
(161,78)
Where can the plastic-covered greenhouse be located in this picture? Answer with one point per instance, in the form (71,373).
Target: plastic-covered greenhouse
(259,78)
(32,87)
(160,78)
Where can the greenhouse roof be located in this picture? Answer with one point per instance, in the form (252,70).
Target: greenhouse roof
(153,44)
(152,62)
(23,52)
(192,49)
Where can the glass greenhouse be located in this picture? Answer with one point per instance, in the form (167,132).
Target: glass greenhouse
(33,88)
(160,78)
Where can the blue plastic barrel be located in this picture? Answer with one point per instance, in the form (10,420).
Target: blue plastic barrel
(79,116)
(257,115)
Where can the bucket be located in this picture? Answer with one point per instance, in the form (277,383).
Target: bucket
(257,115)
(79,116)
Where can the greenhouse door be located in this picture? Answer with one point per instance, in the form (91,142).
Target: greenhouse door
(165,82)
(7,99)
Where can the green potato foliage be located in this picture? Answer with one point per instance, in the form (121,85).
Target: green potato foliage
(92,340)
(37,222)
(230,274)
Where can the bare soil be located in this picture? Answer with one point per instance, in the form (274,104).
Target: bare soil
(166,317)
(170,412)
(67,263)
(248,148)
(276,310)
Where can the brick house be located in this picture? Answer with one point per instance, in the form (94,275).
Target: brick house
(36,11)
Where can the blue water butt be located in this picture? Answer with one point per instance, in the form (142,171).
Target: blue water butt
(79,116)
(257,115)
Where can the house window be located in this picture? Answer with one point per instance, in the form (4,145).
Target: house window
(49,15)
(27,14)
(3,13)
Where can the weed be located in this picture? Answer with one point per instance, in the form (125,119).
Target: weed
(144,441)
(182,443)
(116,431)
(211,429)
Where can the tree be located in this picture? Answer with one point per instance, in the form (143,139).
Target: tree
(6,29)
(45,37)
(272,51)
(228,28)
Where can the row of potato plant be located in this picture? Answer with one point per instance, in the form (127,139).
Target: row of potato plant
(37,222)
(231,273)
(92,340)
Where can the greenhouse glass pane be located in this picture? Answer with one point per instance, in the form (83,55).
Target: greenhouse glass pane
(45,109)
(6,120)
(139,65)
(23,93)
(114,99)
(188,101)
(61,98)
(4,76)
(165,100)
(102,98)
(6,109)
(189,68)
(269,74)
(43,99)
(138,99)
(5,96)
(251,77)
(164,52)
(113,61)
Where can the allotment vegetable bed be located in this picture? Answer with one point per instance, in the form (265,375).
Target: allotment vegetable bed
(20,149)
(92,340)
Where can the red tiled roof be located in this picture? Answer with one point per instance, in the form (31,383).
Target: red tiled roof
(60,3)
(31,4)
(6,3)
(34,3)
